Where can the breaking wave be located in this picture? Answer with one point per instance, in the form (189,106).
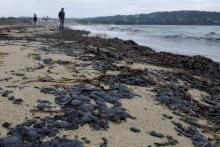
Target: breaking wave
(181,36)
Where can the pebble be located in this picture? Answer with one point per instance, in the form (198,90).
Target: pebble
(156,134)
(41,106)
(87,141)
(167,116)
(18,101)
(6,125)
(11,98)
(84,138)
(135,130)
(48,61)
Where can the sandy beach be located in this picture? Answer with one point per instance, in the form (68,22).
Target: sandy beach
(176,101)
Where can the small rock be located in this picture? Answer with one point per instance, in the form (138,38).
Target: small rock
(155,134)
(44,101)
(11,98)
(135,130)
(19,74)
(41,106)
(25,78)
(18,101)
(171,141)
(6,125)
(48,61)
(83,138)
(87,141)
(167,116)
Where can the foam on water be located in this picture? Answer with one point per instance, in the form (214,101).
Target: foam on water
(187,40)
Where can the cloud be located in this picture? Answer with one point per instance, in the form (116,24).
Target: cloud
(89,8)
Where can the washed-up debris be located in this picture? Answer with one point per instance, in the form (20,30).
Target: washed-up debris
(15,141)
(36,56)
(60,62)
(43,104)
(83,138)
(177,98)
(167,116)
(135,130)
(18,101)
(3,54)
(61,81)
(6,125)
(6,93)
(192,132)
(48,61)
(62,142)
(79,98)
(18,74)
(47,111)
(196,65)
(104,142)
(130,77)
(81,104)
(5,79)
(156,134)
(11,98)
(170,142)
(86,140)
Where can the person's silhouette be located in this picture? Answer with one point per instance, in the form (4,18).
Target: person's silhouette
(61,16)
(35,19)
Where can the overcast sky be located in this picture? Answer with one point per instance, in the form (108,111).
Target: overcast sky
(90,8)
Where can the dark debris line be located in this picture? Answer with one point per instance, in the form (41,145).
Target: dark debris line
(82,104)
(130,51)
(176,98)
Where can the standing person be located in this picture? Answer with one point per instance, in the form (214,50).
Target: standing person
(35,19)
(61,16)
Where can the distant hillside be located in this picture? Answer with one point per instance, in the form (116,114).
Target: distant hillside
(159,18)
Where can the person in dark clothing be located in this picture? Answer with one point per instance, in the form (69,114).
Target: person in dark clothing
(61,16)
(35,19)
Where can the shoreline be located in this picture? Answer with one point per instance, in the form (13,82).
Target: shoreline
(123,94)
(163,40)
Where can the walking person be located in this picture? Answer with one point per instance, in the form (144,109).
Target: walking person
(61,16)
(35,19)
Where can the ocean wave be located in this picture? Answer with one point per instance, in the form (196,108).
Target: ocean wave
(99,35)
(211,36)
(181,36)
(128,30)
